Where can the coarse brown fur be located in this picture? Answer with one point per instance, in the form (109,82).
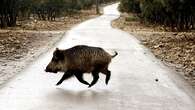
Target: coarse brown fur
(81,59)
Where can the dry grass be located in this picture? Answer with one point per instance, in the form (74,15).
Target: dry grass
(174,48)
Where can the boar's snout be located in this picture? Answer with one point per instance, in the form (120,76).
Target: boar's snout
(50,70)
(46,70)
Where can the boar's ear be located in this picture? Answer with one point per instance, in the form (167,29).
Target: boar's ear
(56,51)
(59,54)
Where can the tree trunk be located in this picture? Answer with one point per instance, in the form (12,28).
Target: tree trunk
(97,7)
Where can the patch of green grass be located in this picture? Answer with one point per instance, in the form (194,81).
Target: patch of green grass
(131,18)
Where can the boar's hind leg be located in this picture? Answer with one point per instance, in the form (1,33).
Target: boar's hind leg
(79,76)
(95,78)
(64,77)
(108,74)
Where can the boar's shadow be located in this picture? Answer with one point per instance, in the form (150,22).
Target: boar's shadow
(78,97)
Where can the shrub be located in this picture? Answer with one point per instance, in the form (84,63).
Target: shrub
(130,6)
(11,10)
(177,14)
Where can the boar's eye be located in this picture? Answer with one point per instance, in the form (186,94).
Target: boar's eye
(55,58)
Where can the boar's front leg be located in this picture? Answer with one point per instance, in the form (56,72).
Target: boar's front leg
(79,76)
(64,77)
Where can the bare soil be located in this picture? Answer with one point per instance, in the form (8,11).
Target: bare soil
(176,49)
(22,44)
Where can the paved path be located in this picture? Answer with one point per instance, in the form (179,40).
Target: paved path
(132,85)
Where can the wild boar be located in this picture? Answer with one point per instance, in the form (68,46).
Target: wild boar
(81,59)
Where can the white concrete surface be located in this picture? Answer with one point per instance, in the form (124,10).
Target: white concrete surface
(132,85)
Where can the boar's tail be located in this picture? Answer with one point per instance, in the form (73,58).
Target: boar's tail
(114,54)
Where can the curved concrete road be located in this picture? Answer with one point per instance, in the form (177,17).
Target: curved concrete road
(132,85)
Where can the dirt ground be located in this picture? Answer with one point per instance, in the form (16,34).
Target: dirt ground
(22,44)
(175,49)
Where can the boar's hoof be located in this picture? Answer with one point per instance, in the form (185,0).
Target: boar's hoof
(58,83)
(90,86)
